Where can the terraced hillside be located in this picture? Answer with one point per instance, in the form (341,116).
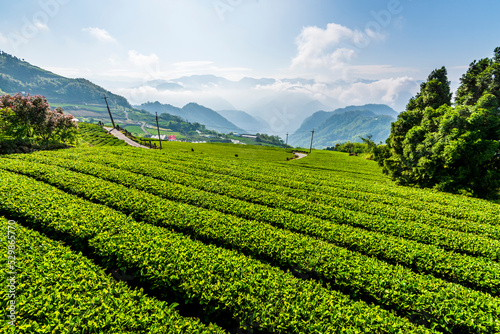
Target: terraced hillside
(242,241)
(95,135)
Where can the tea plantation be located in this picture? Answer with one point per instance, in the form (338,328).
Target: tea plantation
(214,238)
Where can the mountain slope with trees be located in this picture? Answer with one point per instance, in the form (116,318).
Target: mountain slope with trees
(17,76)
(345,124)
(194,113)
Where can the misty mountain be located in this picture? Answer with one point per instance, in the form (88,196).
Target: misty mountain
(194,113)
(164,85)
(284,111)
(252,82)
(378,109)
(244,121)
(345,124)
(18,76)
(201,81)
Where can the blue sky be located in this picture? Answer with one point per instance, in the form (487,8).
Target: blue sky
(387,44)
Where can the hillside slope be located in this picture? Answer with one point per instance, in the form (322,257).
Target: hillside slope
(17,76)
(194,113)
(243,120)
(345,124)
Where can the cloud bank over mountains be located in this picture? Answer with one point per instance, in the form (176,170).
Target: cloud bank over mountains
(323,70)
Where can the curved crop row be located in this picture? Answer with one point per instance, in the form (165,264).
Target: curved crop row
(334,184)
(477,273)
(327,192)
(451,205)
(260,296)
(331,182)
(448,239)
(393,286)
(57,290)
(383,209)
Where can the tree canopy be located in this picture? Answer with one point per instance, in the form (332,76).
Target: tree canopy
(30,117)
(453,148)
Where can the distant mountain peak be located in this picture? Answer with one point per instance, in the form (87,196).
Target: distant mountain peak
(194,113)
(346,124)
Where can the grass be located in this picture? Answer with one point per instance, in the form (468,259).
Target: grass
(134,129)
(248,153)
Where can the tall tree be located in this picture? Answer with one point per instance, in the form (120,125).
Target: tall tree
(482,77)
(434,92)
(455,149)
(407,129)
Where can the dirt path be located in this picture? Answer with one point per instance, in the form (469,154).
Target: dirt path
(299,155)
(143,128)
(121,136)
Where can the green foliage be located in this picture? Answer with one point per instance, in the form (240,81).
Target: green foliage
(368,147)
(351,147)
(30,117)
(59,290)
(434,92)
(325,243)
(453,149)
(95,135)
(221,281)
(482,77)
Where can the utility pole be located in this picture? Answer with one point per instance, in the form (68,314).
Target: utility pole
(312,136)
(158,127)
(286,145)
(109,111)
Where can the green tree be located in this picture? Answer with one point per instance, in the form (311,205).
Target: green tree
(30,117)
(482,77)
(434,92)
(455,149)
(408,131)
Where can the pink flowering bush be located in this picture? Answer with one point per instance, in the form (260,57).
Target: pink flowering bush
(30,117)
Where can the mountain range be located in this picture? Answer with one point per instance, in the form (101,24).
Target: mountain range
(345,124)
(273,113)
(194,113)
(244,121)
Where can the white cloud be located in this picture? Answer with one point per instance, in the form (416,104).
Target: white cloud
(378,71)
(41,26)
(206,67)
(101,34)
(331,48)
(3,39)
(318,91)
(141,60)
(192,64)
(385,91)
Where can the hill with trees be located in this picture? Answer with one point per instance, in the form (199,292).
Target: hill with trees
(194,113)
(20,76)
(345,124)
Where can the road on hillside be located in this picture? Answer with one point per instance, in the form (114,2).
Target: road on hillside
(121,136)
(299,155)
